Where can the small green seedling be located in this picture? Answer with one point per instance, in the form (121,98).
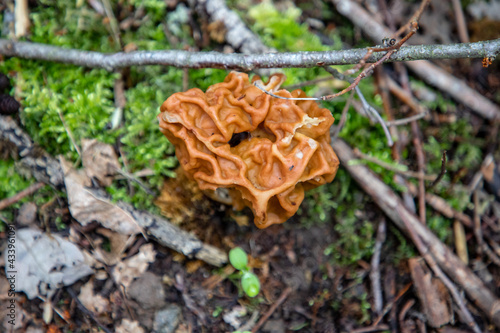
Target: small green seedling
(249,281)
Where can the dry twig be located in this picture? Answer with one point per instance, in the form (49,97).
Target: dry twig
(241,62)
(375,268)
(391,167)
(273,308)
(24,193)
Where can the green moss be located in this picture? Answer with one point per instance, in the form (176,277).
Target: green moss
(281,30)
(85,97)
(355,240)
(11,181)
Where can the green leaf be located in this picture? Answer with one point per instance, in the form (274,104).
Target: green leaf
(238,258)
(251,284)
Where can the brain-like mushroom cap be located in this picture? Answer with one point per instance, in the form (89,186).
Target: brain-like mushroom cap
(265,150)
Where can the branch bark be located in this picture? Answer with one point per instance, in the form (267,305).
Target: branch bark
(236,61)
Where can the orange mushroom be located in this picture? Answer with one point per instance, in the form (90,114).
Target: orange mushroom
(266,151)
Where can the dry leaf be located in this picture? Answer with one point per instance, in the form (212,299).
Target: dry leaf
(45,263)
(118,244)
(95,303)
(86,205)
(127,270)
(433,296)
(129,326)
(99,161)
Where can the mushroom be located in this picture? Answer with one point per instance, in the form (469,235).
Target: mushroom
(264,150)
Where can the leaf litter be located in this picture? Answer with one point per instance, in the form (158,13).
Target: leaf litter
(46,262)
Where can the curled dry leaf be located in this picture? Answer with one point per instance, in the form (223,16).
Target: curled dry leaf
(45,263)
(86,206)
(127,270)
(95,303)
(99,161)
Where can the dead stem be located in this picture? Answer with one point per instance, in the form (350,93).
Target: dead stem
(24,193)
(343,117)
(273,308)
(405,121)
(375,268)
(441,173)
(415,18)
(391,167)
(70,134)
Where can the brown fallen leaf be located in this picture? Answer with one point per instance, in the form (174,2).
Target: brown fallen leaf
(99,161)
(95,303)
(86,205)
(432,294)
(129,326)
(127,270)
(118,243)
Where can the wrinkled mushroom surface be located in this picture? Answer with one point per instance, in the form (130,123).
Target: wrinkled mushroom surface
(265,150)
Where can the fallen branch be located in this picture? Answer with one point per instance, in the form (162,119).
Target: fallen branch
(241,62)
(237,34)
(47,169)
(394,208)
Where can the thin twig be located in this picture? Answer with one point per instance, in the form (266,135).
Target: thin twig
(391,167)
(441,205)
(70,134)
(131,177)
(394,46)
(390,305)
(441,173)
(415,18)
(405,121)
(113,23)
(371,111)
(335,130)
(417,143)
(273,308)
(375,268)
(460,19)
(236,61)
(478,232)
(24,193)
(404,95)
(372,328)
(85,310)
(354,83)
